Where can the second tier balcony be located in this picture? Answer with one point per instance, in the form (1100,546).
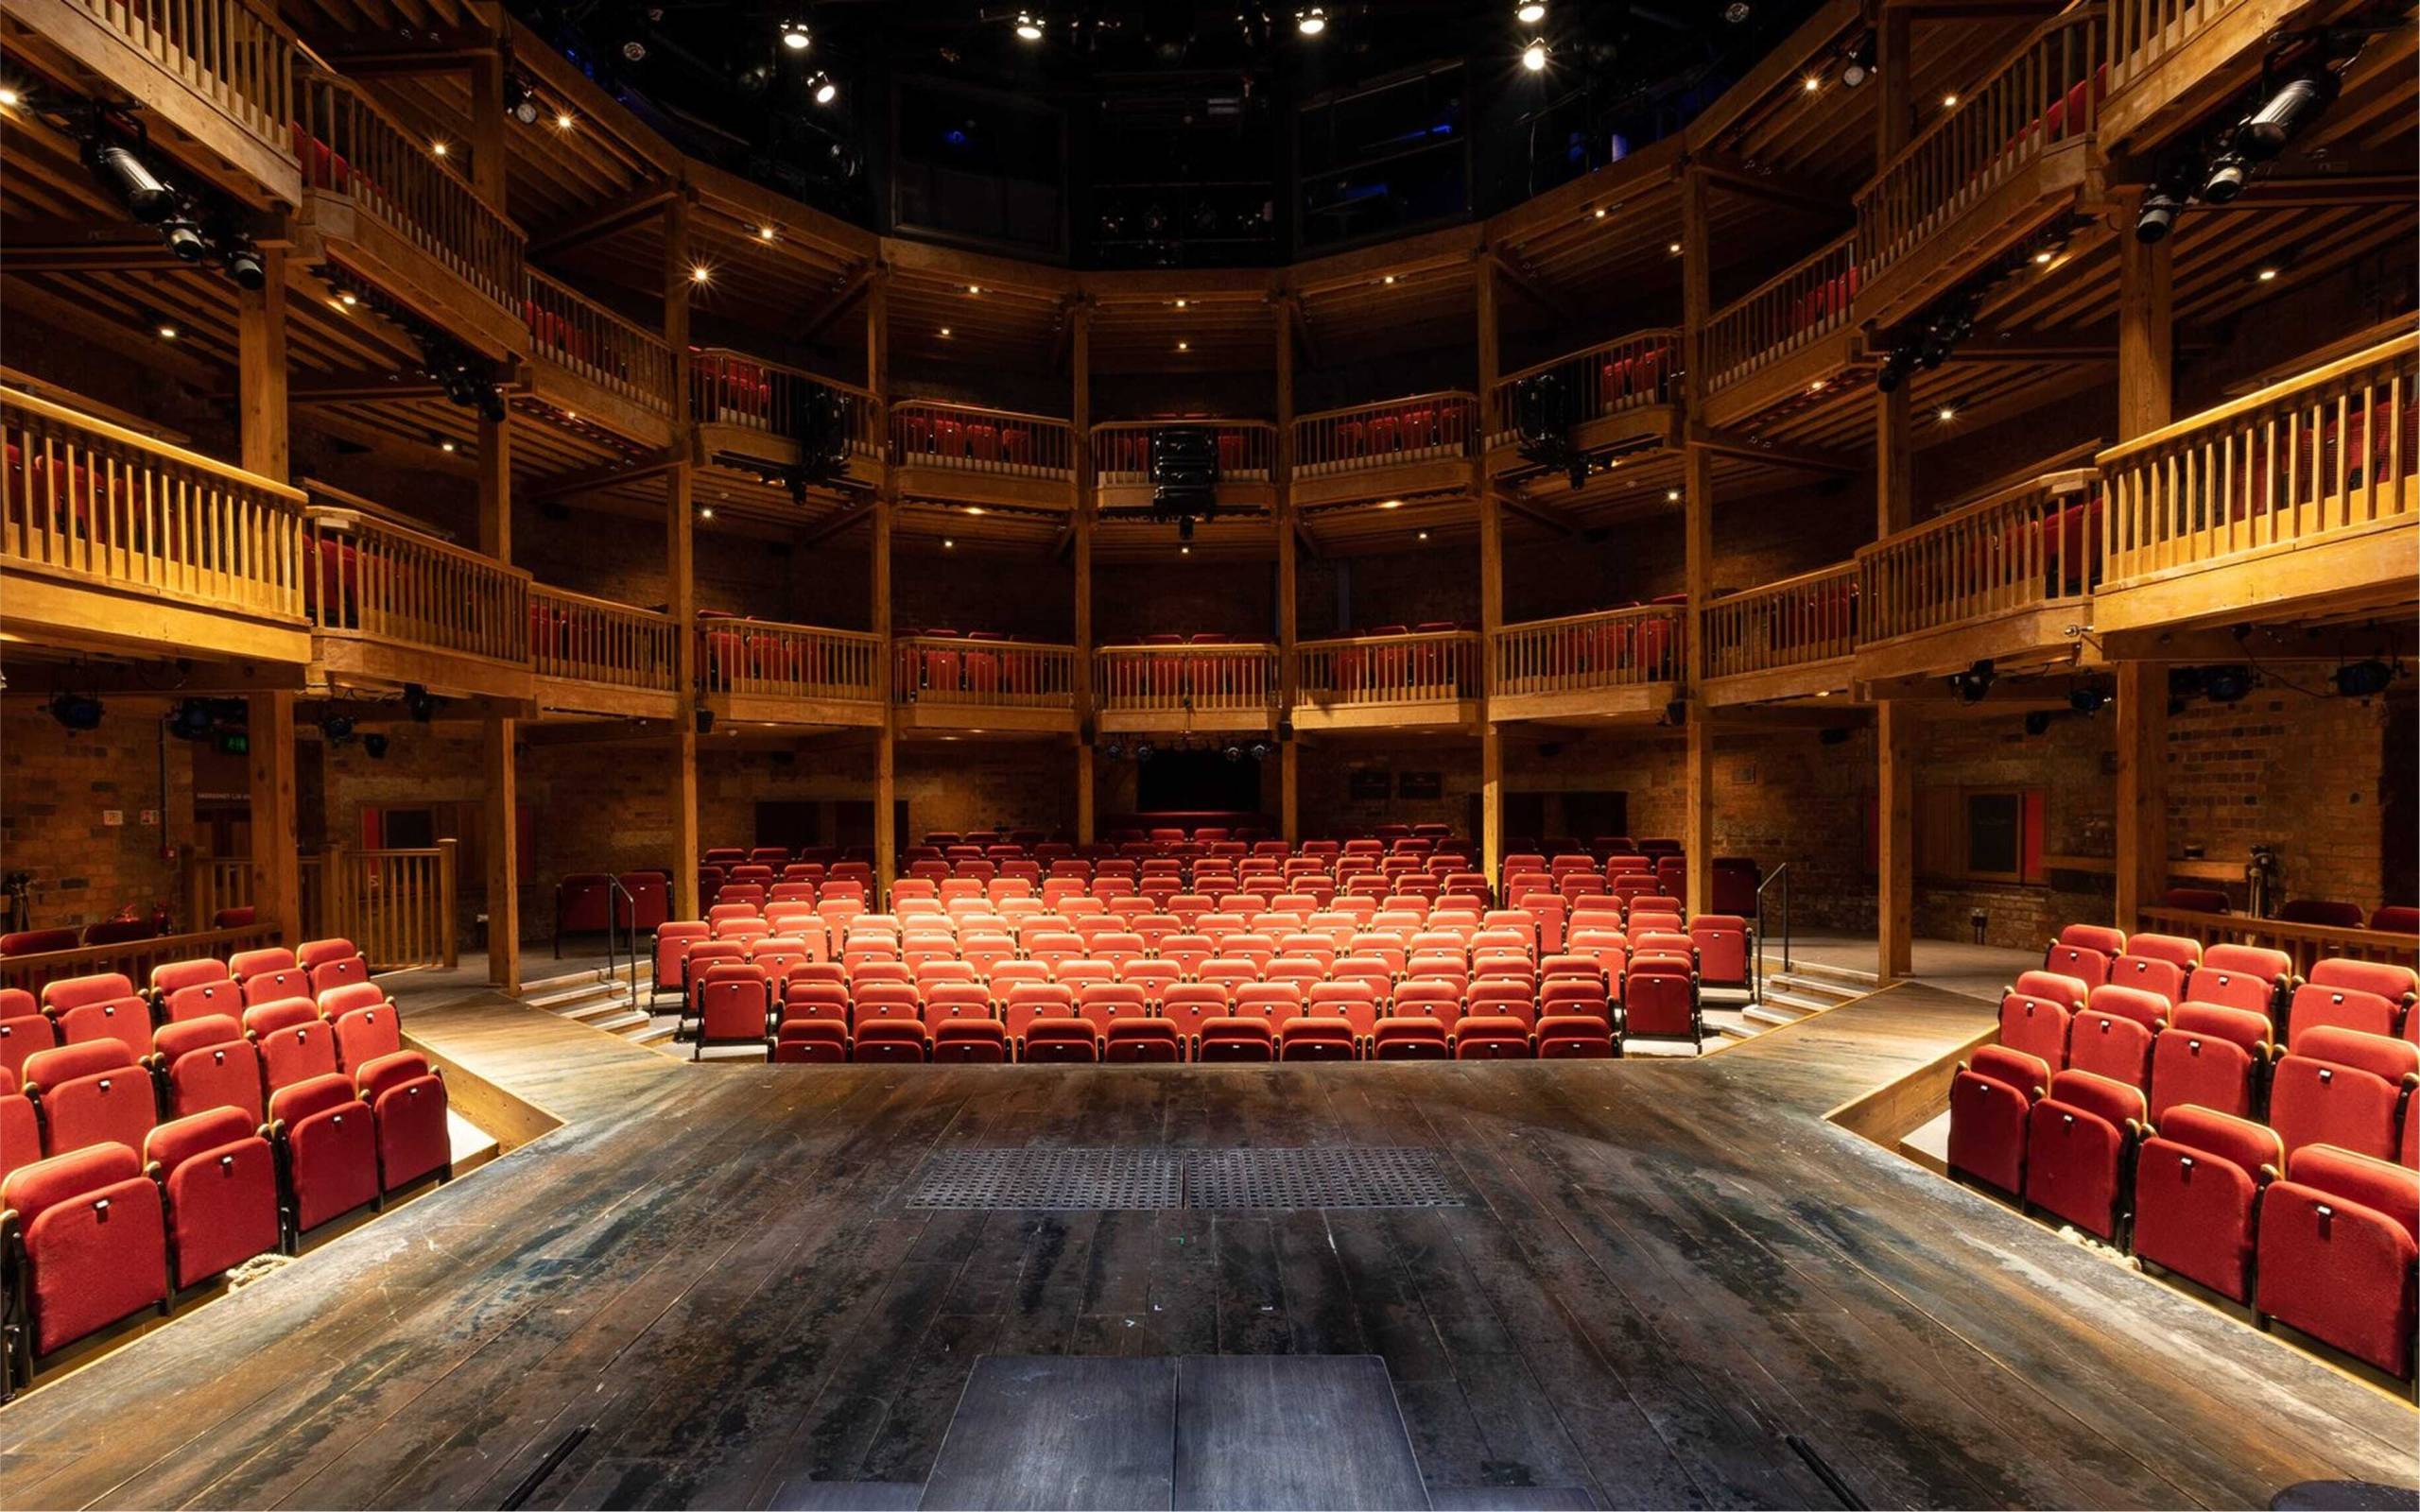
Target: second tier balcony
(1614,397)
(1792,639)
(960,454)
(762,672)
(983,682)
(2008,579)
(1393,678)
(1622,665)
(750,411)
(392,604)
(1185,687)
(593,656)
(588,360)
(1247,451)
(1787,338)
(1373,453)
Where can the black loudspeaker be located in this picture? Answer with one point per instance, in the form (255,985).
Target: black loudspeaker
(705,721)
(1540,408)
(1285,729)
(820,418)
(1184,470)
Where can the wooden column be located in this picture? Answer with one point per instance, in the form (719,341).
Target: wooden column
(1490,573)
(1290,761)
(886,843)
(1895,731)
(500,804)
(1697,493)
(1894,101)
(2146,401)
(1080,525)
(277,871)
(680,574)
(488,127)
(260,370)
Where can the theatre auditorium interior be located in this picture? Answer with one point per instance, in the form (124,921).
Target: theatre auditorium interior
(1128,753)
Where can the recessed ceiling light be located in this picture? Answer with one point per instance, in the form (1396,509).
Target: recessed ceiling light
(2266,275)
(349,299)
(439,147)
(1530,12)
(1029,26)
(562,120)
(1311,22)
(1390,504)
(1672,495)
(705,511)
(795,36)
(948,545)
(1533,57)
(1389,279)
(1815,387)
(167,330)
(1180,305)
(1674,249)
(764,233)
(1424,534)
(1946,413)
(1601,211)
(975,289)
(1184,346)
(1184,551)
(1949,102)
(974,508)
(2043,256)
(699,273)
(1810,83)
(944,331)
(9,99)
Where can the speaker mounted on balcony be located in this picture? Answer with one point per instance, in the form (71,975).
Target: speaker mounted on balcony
(820,420)
(1544,411)
(1185,476)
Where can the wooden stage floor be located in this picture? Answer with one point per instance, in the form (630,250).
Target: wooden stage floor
(1667,1273)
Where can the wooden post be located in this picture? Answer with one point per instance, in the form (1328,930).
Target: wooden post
(680,573)
(1289,768)
(886,505)
(488,127)
(1894,104)
(277,869)
(1895,852)
(448,857)
(2142,789)
(1490,574)
(2146,332)
(499,813)
(260,370)
(1082,507)
(1697,305)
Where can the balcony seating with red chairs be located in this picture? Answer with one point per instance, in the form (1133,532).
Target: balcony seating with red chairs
(2198,1182)
(2338,1239)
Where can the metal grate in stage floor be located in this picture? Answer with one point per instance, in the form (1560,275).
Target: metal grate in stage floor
(1253,1180)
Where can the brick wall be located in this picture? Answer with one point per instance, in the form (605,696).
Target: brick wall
(55,788)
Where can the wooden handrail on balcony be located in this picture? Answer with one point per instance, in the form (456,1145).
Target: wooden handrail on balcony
(1579,653)
(760,658)
(595,640)
(351,149)
(728,387)
(2029,544)
(132,958)
(2306,943)
(1420,428)
(96,501)
(228,52)
(2142,32)
(565,326)
(1122,448)
(2270,470)
(2047,92)
(374,581)
(1803,303)
(1205,677)
(1809,618)
(926,433)
(952,669)
(1628,372)
(1416,666)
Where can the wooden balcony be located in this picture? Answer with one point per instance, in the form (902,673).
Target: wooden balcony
(1789,337)
(1408,680)
(1789,640)
(764,673)
(963,682)
(1615,666)
(376,200)
(750,411)
(390,605)
(1615,396)
(216,73)
(2006,579)
(2299,498)
(1397,450)
(588,360)
(112,539)
(2012,156)
(2171,61)
(1247,461)
(960,454)
(593,656)
(1155,689)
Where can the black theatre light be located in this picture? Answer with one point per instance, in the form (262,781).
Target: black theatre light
(2365,678)
(76,710)
(1972,684)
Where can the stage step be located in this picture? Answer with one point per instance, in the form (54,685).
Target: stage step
(598,998)
(1848,975)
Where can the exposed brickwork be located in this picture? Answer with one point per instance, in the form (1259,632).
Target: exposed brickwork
(55,787)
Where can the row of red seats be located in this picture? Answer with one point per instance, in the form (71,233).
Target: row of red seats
(2155,1109)
(127,1178)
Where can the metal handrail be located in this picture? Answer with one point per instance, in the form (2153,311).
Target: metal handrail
(616,892)
(1756,978)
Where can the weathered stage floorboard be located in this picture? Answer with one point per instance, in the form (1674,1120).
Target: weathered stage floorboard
(1669,1271)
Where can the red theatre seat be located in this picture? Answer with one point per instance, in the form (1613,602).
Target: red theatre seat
(1990,1098)
(92,1238)
(2197,1187)
(2077,1141)
(221,1179)
(2336,1254)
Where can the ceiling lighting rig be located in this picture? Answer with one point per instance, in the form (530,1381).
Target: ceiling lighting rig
(195,225)
(1926,341)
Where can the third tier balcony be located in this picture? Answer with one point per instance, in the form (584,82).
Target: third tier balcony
(1389,679)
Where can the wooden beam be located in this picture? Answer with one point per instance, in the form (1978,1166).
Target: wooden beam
(1696,495)
(38,254)
(1078,534)
(500,800)
(681,564)
(1289,757)
(837,303)
(276,865)
(1540,514)
(358,389)
(604,476)
(2142,789)
(1491,566)
(2146,335)
(1725,171)
(262,372)
(886,853)
(1780,454)
(608,219)
(490,127)
(1526,284)
(1894,741)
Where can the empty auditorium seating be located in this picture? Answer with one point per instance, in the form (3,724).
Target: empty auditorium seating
(218,1177)
(2077,1142)
(2211,1058)
(331,1150)
(90,1243)
(1991,1099)
(2335,1251)
(2197,1183)
(2339,1086)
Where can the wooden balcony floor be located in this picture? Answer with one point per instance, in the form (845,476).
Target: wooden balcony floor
(1660,1269)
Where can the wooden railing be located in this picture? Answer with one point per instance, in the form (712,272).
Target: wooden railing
(728,387)
(353,149)
(397,905)
(595,640)
(383,583)
(1206,678)
(760,658)
(83,497)
(1811,617)
(132,958)
(614,354)
(1630,372)
(1420,428)
(227,52)
(1577,653)
(924,434)
(2047,91)
(949,669)
(2306,943)
(1412,667)
(1122,449)
(2325,453)
(1801,305)
(2143,32)
(214,885)
(2029,544)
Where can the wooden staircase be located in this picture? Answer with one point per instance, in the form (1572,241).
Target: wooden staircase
(601,1000)
(1806,988)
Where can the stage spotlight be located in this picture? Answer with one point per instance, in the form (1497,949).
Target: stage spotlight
(2088,700)
(1234,753)
(2157,217)
(420,703)
(521,99)
(242,259)
(192,719)
(76,710)
(1114,750)
(375,747)
(1029,26)
(184,239)
(2226,180)
(147,199)
(2363,679)
(705,721)
(826,92)
(1311,22)
(2038,722)
(1973,683)
(1260,750)
(1738,12)
(795,37)
(335,730)
(1530,12)
(1533,57)
(2265,132)
(2228,684)
(1143,752)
